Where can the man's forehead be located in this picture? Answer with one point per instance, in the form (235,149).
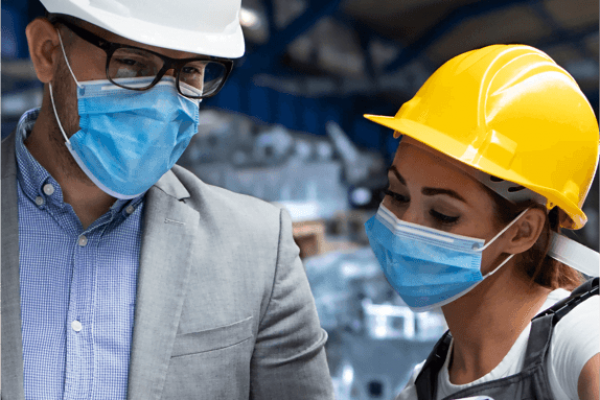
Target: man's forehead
(112,37)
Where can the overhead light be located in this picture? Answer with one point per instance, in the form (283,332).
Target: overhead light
(361,196)
(249,18)
(348,374)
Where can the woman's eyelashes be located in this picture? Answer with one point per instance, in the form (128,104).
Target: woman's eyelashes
(400,200)
(443,218)
(397,198)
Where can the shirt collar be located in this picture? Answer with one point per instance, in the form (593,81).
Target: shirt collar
(33,178)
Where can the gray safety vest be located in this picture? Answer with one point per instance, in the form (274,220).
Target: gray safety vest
(532,382)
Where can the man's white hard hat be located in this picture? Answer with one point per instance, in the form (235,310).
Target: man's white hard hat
(209,27)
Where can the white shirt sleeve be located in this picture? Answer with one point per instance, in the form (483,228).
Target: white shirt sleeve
(574,342)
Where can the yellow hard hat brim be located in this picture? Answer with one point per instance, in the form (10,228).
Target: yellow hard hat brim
(463,153)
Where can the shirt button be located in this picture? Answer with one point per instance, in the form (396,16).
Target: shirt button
(39,201)
(76,325)
(83,241)
(48,189)
(130,209)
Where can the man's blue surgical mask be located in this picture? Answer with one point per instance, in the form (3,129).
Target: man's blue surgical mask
(427,267)
(128,139)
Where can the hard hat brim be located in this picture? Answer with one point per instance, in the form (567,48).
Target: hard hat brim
(465,154)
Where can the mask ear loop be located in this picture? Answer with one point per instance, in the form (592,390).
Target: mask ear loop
(68,142)
(496,237)
(67,60)
(498,267)
(503,230)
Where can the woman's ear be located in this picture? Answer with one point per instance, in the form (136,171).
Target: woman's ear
(43,42)
(526,231)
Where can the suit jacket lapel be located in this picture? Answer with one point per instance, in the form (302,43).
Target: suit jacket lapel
(169,231)
(12,349)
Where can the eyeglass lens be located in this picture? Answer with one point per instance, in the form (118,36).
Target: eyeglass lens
(199,77)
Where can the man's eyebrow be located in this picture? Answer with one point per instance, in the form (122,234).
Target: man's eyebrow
(428,191)
(397,173)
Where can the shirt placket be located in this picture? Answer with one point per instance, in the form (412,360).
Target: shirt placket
(81,355)
(79,366)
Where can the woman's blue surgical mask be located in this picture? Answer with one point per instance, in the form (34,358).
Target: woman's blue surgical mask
(128,139)
(427,267)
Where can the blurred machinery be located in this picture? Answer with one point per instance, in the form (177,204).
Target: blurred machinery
(21,91)
(375,340)
(314,177)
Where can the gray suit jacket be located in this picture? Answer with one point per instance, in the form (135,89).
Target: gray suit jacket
(224,309)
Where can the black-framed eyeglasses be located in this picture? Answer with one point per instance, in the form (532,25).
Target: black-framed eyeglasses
(202,77)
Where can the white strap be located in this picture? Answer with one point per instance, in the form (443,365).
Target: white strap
(67,60)
(67,141)
(575,255)
(504,230)
(498,267)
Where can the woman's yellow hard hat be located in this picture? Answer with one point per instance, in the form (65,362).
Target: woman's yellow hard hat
(513,113)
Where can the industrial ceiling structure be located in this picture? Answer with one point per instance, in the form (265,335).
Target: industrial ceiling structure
(312,61)
(376,47)
(308,62)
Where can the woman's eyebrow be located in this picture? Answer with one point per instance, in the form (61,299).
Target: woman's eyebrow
(428,191)
(395,171)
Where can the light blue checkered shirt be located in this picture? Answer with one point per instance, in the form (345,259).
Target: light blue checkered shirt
(78,287)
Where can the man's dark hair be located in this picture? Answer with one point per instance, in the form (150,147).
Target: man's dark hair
(55,18)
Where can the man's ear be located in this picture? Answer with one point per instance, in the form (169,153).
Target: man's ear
(43,42)
(526,231)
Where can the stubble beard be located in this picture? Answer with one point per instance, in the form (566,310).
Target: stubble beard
(64,90)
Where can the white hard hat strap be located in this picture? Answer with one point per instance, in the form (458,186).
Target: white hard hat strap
(575,255)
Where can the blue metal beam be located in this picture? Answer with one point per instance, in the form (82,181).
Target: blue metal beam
(366,35)
(365,41)
(269,53)
(457,16)
(270,14)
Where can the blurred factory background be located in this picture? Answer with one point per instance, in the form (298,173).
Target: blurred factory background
(288,128)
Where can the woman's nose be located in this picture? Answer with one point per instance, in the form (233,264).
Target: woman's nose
(412,215)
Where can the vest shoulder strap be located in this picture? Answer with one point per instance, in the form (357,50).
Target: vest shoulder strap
(426,382)
(542,325)
(578,296)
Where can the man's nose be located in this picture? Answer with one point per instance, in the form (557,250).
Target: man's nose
(170,72)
